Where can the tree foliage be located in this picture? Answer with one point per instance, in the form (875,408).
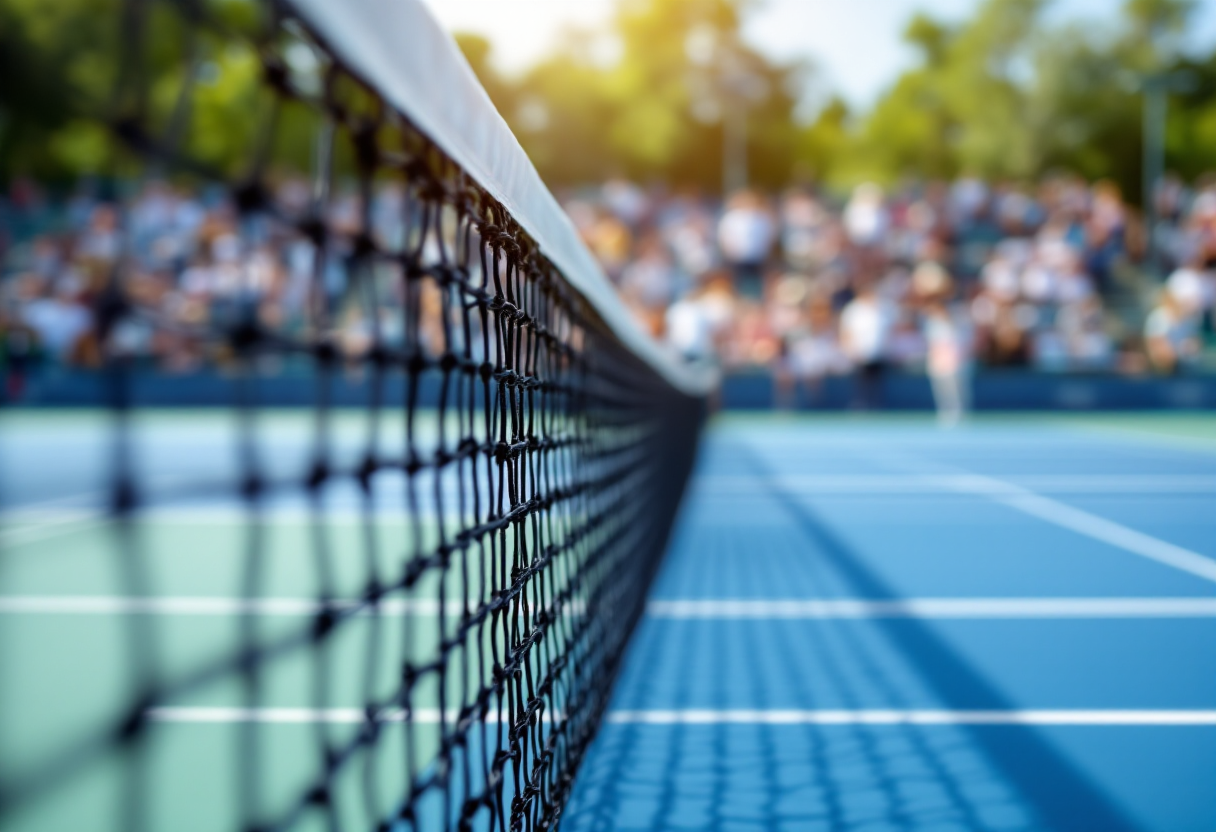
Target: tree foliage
(1006,94)
(652,113)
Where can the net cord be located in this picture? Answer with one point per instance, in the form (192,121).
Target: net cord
(398,48)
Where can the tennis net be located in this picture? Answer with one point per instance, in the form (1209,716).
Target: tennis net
(432,591)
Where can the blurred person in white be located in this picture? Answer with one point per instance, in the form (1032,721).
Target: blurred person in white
(1040,283)
(1170,335)
(947,363)
(58,317)
(1193,288)
(948,344)
(865,328)
(866,217)
(695,323)
(745,235)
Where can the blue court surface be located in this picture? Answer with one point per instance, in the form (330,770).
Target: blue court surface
(877,625)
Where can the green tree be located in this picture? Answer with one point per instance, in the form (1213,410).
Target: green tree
(1087,87)
(911,128)
(823,144)
(964,107)
(1005,95)
(654,112)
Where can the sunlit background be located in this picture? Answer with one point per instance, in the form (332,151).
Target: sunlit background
(859,50)
(1034,176)
(983,136)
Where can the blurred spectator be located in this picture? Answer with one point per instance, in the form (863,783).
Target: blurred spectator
(948,361)
(865,217)
(1193,289)
(696,322)
(745,235)
(865,329)
(1170,335)
(1010,274)
(57,317)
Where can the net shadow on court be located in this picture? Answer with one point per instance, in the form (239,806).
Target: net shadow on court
(711,774)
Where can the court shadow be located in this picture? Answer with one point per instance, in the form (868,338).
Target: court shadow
(846,778)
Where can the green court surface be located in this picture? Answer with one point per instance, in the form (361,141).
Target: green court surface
(94,611)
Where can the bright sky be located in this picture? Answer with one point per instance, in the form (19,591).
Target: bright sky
(859,52)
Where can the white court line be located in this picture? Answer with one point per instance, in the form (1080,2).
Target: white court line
(430,716)
(912,717)
(312,716)
(936,608)
(234,512)
(217,606)
(923,483)
(727,608)
(44,528)
(169,605)
(36,525)
(1084,523)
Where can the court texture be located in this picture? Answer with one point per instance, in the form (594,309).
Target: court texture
(861,624)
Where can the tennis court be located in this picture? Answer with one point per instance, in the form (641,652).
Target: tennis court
(876,625)
(501,572)
(860,625)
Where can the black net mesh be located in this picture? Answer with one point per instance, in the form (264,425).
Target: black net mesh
(476,536)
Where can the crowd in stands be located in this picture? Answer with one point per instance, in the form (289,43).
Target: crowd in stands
(934,277)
